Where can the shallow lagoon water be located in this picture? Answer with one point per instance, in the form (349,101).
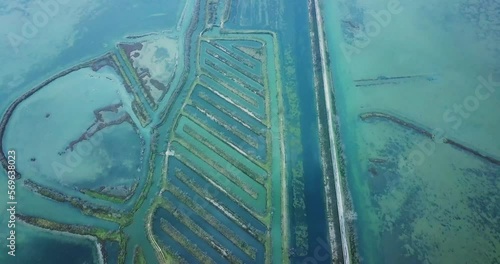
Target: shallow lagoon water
(419,200)
(263,215)
(59,115)
(42,246)
(416,216)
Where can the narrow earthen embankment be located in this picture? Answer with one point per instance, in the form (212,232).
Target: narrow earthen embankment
(328,89)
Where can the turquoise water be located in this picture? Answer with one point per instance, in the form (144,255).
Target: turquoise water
(55,128)
(40,246)
(419,200)
(44,124)
(414,87)
(97,27)
(294,34)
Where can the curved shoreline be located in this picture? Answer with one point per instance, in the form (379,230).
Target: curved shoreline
(425,132)
(146,193)
(397,120)
(9,112)
(94,234)
(95,240)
